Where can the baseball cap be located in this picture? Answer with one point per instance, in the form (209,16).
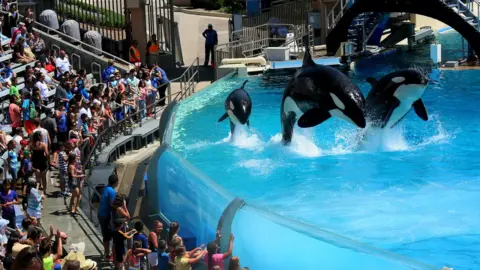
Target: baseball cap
(210,25)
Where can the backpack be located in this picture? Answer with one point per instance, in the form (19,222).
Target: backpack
(33,111)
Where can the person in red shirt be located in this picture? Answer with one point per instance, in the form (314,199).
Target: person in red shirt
(15,112)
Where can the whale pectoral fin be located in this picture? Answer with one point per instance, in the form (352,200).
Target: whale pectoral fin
(224,116)
(313,117)
(420,110)
(393,103)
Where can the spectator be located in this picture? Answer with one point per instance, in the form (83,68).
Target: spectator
(62,64)
(15,113)
(8,198)
(135,255)
(184,259)
(134,54)
(45,134)
(29,113)
(110,70)
(104,212)
(29,259)
(142,98)
(19,55)
(26,169)
(50,125)
(63,168)
(34,200)
(119,238)
(12,161)
(234,264)
(119,208)
(13,88)
(62,127)
(84,110)
(213,258)
(42,85)
(74,182)
(29,18)
(173,231)
(45,250)
(40,159)
(8,259)
(163,258)
(8,70)
(37,45)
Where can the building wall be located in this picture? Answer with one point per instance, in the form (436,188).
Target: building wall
(421,21)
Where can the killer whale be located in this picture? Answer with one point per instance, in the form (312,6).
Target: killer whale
(392,97)
(315,93)
(238,107)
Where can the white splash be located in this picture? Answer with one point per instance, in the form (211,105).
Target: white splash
(242,138)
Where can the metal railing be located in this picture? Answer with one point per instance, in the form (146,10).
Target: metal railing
(289,13)
(50,31)
(336,13)
(251,47)
(188,80)
(104,16)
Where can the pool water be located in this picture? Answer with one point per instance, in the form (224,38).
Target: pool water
(412,190)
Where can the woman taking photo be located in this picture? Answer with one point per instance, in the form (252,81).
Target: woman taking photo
(34,200)
(40,159)
(73,182)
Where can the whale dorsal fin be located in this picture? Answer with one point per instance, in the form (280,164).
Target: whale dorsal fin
(307,58)
(243,85)
(372,81)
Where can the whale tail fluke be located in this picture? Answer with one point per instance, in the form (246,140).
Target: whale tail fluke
(224,116)
(307,58)
(420,110)
(243,85)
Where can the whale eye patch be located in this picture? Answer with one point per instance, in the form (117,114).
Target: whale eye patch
(398,79)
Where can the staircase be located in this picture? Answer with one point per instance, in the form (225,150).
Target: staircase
(362,27)
(467,9)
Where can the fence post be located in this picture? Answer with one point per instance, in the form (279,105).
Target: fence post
(169,92)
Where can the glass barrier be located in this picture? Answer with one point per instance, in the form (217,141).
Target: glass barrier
(264,240)
(186,195)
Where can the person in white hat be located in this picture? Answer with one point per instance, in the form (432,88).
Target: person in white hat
(76,254)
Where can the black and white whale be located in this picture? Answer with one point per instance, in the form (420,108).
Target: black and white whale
(316,93)
(238,107)
(392,97)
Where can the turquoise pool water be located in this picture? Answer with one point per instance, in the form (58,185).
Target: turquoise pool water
(413,190)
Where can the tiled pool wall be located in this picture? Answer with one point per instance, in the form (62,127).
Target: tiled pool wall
(263,240)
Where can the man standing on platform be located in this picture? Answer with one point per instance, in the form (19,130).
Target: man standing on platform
(211,40)
(152,51)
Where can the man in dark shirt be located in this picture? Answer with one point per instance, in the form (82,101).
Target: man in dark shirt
(50,125)
(211,39)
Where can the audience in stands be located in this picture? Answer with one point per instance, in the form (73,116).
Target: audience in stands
(56,115)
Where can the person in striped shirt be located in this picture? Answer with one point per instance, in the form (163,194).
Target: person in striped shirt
(62,168)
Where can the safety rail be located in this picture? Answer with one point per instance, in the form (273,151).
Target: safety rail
(79,60)
(291,13)
(336,13)
(96,72)
(49,31)
(188,80)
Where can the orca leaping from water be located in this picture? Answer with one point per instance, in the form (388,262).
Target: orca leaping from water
(316,93)
(238,107)
(392,97)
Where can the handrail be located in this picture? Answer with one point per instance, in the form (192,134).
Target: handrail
(335,17)
(116,58)
(105,135)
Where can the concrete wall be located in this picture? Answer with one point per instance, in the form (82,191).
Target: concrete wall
(421,21)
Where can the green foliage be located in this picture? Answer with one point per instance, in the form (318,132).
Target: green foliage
(86,13)
(227,6)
